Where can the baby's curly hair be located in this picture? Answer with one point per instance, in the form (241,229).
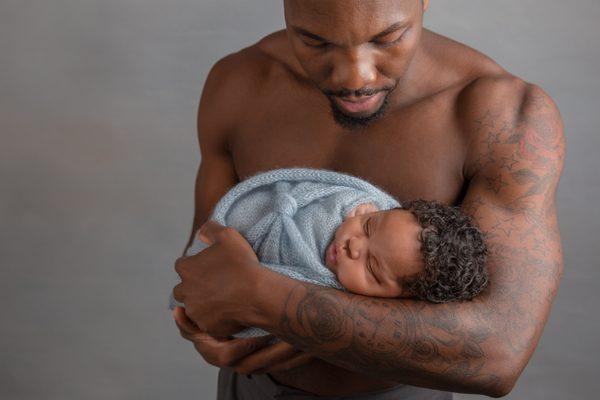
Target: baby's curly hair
(454,254)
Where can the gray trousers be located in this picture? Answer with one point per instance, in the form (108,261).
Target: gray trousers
(233,386)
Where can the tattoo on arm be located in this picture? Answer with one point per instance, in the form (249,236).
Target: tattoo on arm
(453,346)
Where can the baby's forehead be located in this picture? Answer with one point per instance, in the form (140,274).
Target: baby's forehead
(397,241)
(393,219)
(397,227)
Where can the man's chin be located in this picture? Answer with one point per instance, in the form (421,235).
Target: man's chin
(357,120)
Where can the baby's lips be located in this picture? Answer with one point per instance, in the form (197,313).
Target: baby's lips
(331,253)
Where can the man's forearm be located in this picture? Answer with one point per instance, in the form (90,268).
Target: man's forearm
(413,342)
(481,346)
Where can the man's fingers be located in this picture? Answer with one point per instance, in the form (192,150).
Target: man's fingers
(209,231)
(180,265)
(225,352)
(220,352)
(296,360)
(205,238)
(178,294)
(265,358)
(184,323)
(241,347)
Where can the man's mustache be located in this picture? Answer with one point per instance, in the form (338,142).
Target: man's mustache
(357,93)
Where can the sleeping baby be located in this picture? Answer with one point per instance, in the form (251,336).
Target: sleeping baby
(337,230)
(424,250)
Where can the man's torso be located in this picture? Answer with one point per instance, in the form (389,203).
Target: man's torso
(418,150)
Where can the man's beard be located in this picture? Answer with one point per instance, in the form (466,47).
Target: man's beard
(351,122)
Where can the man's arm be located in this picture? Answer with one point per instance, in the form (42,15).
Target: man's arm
(216,173)
(515,160)
(227,83)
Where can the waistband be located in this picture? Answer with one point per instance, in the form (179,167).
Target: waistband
(268,388)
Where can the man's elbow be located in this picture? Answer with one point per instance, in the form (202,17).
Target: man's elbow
(500,390)
(503,387)
(504,376)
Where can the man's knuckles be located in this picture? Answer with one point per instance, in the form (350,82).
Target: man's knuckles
(178,293)
(181,265)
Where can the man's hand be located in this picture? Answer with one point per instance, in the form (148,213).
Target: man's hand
(216,284)
(218,352)
(244,355)
(212,290)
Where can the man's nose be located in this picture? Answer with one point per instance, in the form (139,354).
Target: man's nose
(353,70)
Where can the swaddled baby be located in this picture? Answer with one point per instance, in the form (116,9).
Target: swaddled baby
(337,230)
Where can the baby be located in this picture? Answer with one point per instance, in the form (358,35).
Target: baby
(340,231)
(424,250)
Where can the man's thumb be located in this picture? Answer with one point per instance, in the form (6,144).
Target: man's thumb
(208,231)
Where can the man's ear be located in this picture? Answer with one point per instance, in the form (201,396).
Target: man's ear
(425,5)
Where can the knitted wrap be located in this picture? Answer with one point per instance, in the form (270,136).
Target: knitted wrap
(289,216)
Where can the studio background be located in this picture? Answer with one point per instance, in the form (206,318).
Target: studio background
(98,155)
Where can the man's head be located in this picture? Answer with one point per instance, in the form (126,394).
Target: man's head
(356,52)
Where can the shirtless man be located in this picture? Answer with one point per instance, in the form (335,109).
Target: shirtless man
(361,87)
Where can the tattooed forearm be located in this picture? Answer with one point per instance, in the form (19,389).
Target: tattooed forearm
(477,346)
(392,338)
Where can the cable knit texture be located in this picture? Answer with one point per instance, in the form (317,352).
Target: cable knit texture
(289,216)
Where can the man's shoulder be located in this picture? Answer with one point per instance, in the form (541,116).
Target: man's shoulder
(238,79)
(482,82)
(500,111)
(251,67)
(502,92)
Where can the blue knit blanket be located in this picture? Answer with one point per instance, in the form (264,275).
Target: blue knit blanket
(289,216)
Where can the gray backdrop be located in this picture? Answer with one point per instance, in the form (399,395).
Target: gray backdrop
(98,156)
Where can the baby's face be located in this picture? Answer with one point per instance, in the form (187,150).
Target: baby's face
(372,251)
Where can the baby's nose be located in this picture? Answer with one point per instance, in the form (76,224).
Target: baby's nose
(354,248)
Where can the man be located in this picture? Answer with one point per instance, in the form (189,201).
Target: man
(361,87)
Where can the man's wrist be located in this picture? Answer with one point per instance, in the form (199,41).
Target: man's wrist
(268,293)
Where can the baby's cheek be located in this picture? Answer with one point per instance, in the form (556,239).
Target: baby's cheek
(344,277)
(351,279)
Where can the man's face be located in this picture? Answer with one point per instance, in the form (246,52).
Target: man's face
(355,51)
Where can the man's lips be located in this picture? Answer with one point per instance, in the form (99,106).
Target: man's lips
(358,104)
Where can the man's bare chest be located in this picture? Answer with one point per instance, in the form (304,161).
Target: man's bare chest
(417,154)
(405,170)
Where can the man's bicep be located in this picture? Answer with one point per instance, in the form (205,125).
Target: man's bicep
(214,178)
(216,172)
(511,196)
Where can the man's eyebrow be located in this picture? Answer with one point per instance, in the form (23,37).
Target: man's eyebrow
(311,35)
(392,28)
